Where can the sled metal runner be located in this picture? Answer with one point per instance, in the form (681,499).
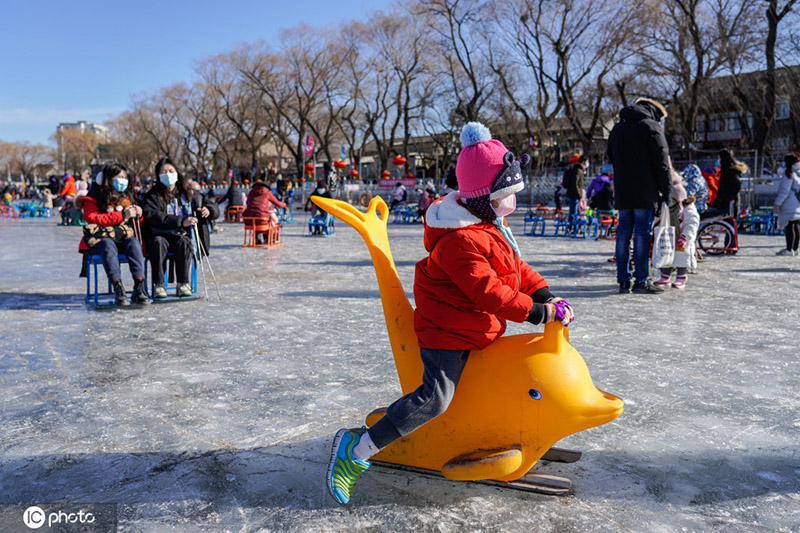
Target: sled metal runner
(561,455)
(530,482)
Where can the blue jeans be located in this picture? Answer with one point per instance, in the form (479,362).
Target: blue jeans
(107,249)
(636,223)
(573,206)
(442,371)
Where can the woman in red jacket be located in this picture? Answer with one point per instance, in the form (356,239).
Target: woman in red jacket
(472,282)
(261,203)
(110,211)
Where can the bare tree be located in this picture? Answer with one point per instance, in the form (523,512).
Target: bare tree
(242,103)
(757,96)
(457,24)
(689,42)
(198,121)
(293,82)
(401,88)
(6,157)
(76,148)
(131,145)
(156,114)
(30,159)
(350,119)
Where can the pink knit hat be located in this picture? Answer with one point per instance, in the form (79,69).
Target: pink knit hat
(480,160)
(486,170)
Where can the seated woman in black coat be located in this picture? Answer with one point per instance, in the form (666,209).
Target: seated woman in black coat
(170,210)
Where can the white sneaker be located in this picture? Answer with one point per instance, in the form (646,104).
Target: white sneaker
(785,252)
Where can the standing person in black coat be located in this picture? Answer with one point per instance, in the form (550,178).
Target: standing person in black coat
(637,147)
(169,213)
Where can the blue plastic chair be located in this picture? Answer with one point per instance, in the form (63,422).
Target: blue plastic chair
(584,226)
(324,224)
(400,214)
(560,225)
(96,298)
(537,223)
(167,286)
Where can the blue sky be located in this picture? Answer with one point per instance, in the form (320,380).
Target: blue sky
(81,60)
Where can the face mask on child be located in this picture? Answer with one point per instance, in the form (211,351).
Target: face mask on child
(169,179)
(505,205)
(320,190)
(119,184)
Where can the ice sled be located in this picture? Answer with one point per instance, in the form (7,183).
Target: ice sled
(516,398)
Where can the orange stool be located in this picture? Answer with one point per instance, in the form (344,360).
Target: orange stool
(234,213)
(256,225)
(608,227)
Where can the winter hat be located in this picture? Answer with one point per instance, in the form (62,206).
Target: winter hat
(654,103)
(677,191)
(486,170)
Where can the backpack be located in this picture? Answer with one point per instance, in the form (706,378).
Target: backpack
(568,179)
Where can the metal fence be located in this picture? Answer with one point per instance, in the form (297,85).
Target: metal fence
(759,184)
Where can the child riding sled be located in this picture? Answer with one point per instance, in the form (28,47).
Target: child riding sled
(471,283)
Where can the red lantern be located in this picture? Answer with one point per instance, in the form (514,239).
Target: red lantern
(203,184)
(354,173)
(236,182)
(309,168)
(410,176)
(339,164)
(399,161)
(246,182)
(224,182)
(385,173)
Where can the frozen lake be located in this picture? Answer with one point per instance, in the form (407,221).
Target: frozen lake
(218,415)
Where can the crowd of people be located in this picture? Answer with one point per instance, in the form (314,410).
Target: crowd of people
(172,215)
(641,177)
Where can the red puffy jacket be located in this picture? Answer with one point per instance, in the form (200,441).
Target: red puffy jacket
(259,200)
(471,283)
(92,215)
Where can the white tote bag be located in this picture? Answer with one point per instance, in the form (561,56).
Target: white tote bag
(663,241)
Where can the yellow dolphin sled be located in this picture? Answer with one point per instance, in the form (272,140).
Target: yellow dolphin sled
(516,398)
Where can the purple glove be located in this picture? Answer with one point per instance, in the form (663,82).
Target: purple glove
(559,309)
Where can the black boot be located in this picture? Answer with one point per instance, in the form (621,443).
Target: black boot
(120,298)
(140,293)
(646,288)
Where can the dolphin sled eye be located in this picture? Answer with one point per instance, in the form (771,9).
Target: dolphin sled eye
(535,394)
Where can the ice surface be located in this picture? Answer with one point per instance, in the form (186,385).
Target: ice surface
(218,415)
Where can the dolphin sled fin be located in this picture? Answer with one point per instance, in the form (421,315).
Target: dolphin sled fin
(483,464)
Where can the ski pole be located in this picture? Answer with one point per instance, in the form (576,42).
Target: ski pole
(199,259)
(213,277)
(137,231)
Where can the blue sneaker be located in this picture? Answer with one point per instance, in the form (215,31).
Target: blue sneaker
(343,468)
